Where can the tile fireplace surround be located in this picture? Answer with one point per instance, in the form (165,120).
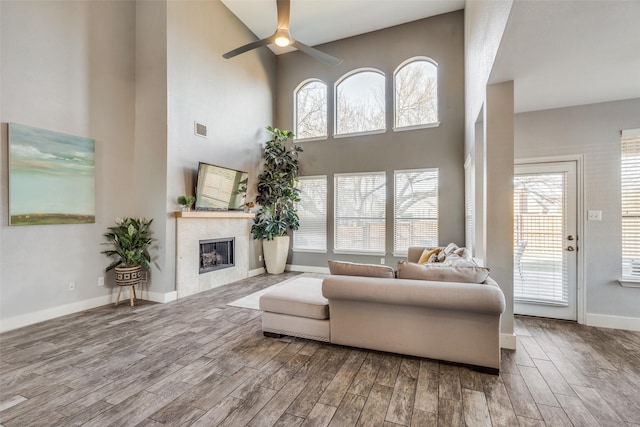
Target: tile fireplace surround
(193,226)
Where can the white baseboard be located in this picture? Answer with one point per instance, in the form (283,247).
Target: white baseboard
(508,341)
(23,320)
(159,297)
(613,322)
(257,272)
(307,268)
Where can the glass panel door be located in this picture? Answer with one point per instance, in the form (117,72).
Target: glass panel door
(545,242)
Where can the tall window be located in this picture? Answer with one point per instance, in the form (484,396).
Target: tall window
(360,105)
(311,110)
(311,236)
(630,174)
(469,196)
(360,200)
(416,209)
(416,93)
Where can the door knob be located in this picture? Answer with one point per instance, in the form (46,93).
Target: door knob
(570,248)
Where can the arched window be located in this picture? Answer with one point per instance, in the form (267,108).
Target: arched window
(360,102)
(415,84)
(310,110)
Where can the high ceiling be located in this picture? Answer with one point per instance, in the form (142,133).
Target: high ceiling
(565,53)
(558,52)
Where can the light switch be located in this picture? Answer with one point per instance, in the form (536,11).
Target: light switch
(594,215)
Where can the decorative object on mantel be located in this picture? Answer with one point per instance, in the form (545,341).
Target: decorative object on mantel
(277,195)
(186,202)
(248,206)
(130,239)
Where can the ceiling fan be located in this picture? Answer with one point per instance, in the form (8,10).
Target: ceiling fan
(283,38)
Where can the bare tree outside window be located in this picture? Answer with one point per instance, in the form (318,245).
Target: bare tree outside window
(416,94)
(360,105)
(311,110)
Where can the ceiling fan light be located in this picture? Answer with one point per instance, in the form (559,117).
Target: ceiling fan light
(282,41)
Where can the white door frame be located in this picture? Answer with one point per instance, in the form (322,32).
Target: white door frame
(582,238)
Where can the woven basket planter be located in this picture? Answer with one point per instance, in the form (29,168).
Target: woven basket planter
(128,276)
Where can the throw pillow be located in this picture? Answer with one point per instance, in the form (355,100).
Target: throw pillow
(342,268)
(442,273)
(428,255)
(464,253)
(454,260)
(450,248)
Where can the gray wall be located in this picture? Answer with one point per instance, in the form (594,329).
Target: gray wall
(133,76)
(67,66)
(594,132)
(233,97)
(440,38)
(498,172)
(485,22)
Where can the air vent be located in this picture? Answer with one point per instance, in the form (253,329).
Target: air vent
(200,129)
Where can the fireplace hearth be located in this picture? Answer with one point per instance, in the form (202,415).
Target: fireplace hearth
(216,254)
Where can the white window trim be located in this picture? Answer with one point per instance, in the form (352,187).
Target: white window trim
(295,110)
(335,103)
(414,127)
(395,72)
(354,134)
(347,252)
(627,281)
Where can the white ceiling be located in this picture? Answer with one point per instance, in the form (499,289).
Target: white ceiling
(565,53)
(559,52)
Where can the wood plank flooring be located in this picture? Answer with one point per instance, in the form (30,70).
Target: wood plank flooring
(198,362)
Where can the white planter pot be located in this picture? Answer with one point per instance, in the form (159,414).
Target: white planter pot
(275,254)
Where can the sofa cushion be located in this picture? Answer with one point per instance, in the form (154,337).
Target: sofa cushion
(428,255)
(442,273)
(342,268)
(301,297)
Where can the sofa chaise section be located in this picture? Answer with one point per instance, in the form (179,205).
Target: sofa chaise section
(457,322)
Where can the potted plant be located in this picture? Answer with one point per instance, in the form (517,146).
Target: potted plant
(277,195)
(186,202)
(129,239)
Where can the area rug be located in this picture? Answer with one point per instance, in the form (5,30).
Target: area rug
(252,301)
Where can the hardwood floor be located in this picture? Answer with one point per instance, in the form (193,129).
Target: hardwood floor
(199,362)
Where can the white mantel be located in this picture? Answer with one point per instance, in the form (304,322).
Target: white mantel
(193,226)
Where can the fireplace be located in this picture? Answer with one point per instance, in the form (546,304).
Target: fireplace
(216,254)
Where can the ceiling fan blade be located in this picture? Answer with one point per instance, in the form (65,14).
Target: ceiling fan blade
(315,53)
(284,11)
(247,47)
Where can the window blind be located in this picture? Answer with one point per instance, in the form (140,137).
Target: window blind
(630,186)
(469,196)
(415,209)
(312,210)
(540,265)
(360,201)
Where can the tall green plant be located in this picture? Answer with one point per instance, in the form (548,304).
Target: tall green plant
(277,191)
(130,240)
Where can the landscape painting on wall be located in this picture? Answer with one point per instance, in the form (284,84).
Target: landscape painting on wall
(51,177)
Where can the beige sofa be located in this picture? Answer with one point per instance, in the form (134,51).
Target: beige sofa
(456,322)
